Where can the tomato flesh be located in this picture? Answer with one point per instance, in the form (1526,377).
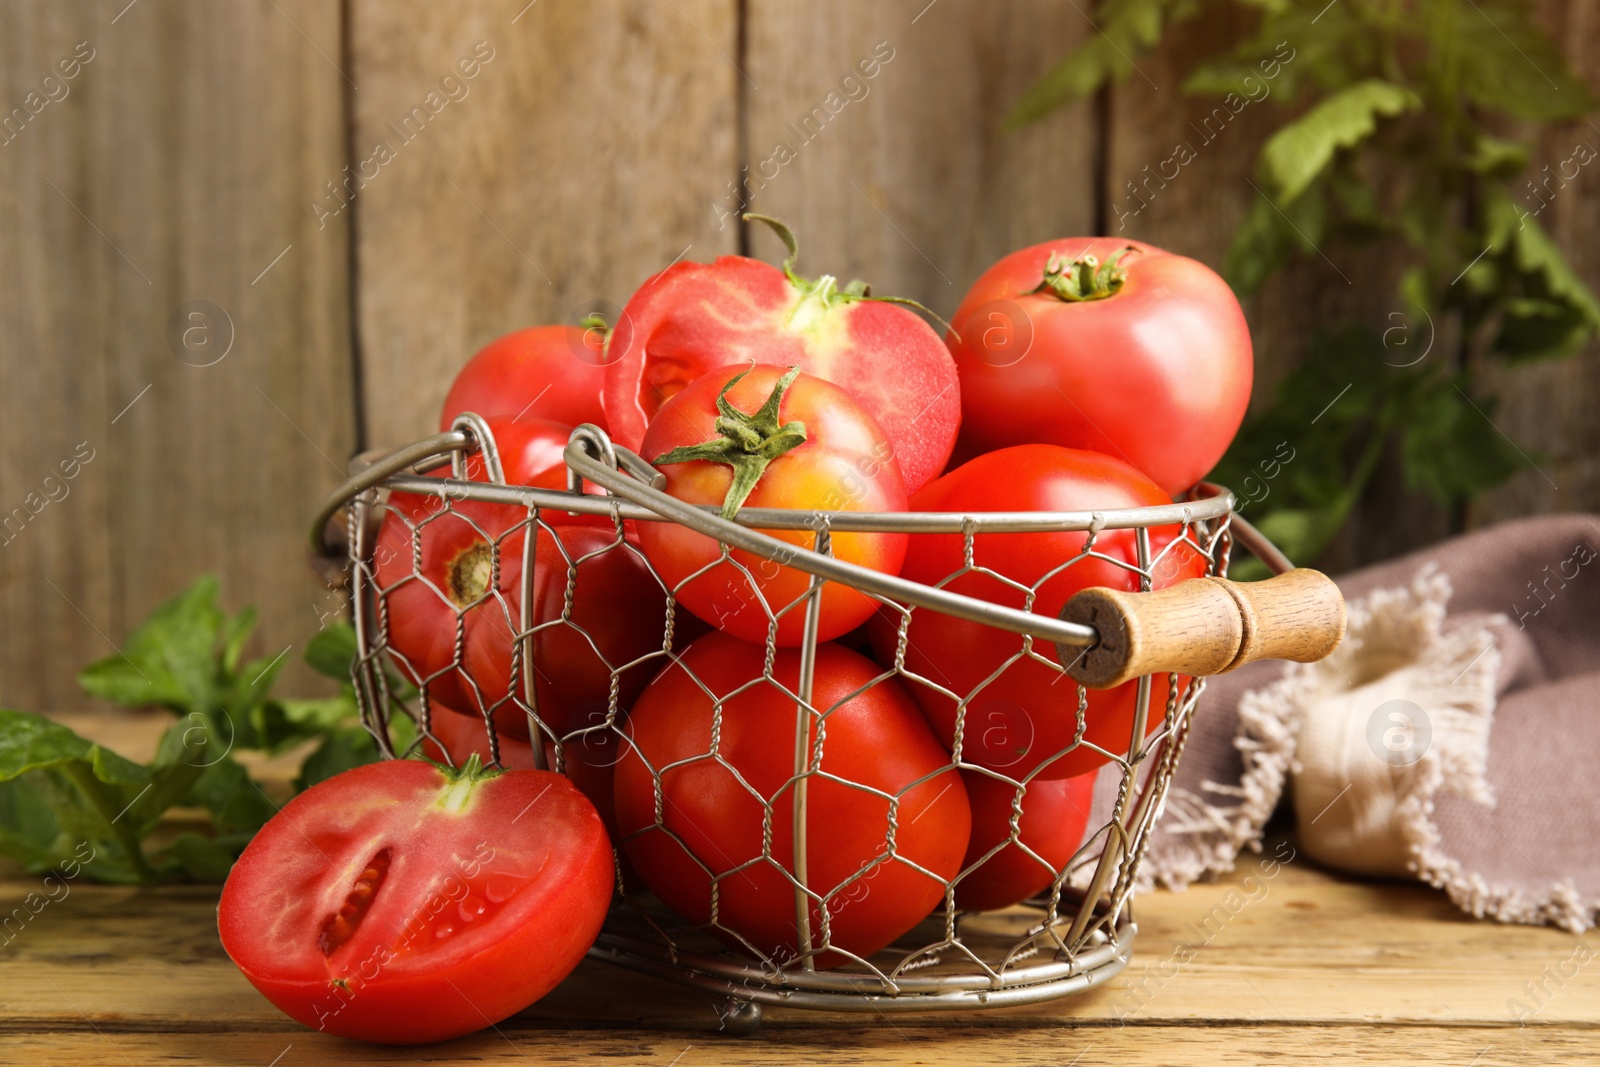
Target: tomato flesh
(392,905)
(693,318)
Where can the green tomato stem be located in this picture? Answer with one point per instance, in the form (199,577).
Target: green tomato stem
(1085,278)
(747,442)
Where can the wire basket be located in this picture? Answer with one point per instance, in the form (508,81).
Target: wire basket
(1076,933)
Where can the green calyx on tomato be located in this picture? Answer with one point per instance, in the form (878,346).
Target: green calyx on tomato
(1084,278)
(822,294)
(463,781)
(747,442)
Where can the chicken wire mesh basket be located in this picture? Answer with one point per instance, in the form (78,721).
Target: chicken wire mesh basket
(532,581)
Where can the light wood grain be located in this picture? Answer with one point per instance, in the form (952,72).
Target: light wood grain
(178,169)
(582,158)
(1205,626)
(1303,961)
(914,187)
(1277,961)
(883,1043)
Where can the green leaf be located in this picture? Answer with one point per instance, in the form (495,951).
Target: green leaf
(1124,29)
(321,716)
(1302,150)
(235,803)
(333,650)
(29,833)
(1495,158)
(339,752)
(1269,237)
(170,659)
(32,742)
(1508,64)
(201,859)
(1451,449)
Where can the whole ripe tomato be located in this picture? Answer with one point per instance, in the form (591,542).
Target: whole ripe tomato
(402,904)
(543,372)
(1025,718)
(1054,814)
(841,463)
(1114,346)
(590,754)
(693,318)
(712,817)
(469,578)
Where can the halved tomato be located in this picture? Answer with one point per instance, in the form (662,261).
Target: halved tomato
(402,903)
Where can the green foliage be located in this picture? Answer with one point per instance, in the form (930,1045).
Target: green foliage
(63,798)
(1299,152)
(1354,396)
(1388,112)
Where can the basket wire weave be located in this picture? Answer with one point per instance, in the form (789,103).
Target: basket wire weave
(1076,934)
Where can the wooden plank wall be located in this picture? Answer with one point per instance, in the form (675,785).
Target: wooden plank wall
(176,167)
(200,155)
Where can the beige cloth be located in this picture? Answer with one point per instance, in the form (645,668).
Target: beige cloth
(1451,737)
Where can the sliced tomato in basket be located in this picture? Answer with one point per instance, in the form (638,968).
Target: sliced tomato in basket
(693,318)
(543,372)
(403,904)
(768,437)
(886,822)
(452,597)
(1017,709)
(1005,867)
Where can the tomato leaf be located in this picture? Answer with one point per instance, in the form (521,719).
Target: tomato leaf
(1507,64)
(1302,150)
(171,658)
(333,650)
(1124,28)
(1450,447)
(63,797)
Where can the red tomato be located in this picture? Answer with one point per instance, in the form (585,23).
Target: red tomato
(591,754)
(401,904)
(1026,717)
(844,464)
(695,317)
(1055,813)
(544,372)
(712,817)
(532,452)
(1154,369)
(470,578)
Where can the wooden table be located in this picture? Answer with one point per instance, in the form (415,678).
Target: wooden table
(1253,969)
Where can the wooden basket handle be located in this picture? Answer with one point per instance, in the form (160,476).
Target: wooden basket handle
(1204,626)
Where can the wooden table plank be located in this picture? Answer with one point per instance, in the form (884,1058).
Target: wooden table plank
(1305,948)
(1155,1046)
(1276,960)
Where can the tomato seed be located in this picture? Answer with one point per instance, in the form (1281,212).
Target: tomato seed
(341,926)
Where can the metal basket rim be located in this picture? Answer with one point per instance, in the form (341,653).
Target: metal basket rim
(400,469)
